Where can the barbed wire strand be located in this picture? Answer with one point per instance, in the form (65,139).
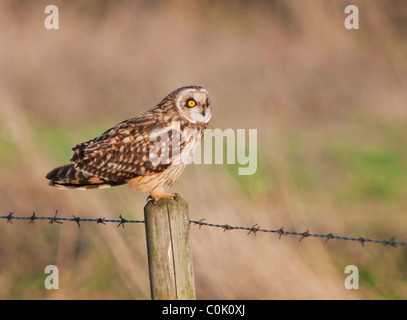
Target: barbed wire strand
(251,230)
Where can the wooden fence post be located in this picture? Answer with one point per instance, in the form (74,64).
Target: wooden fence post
(169,250)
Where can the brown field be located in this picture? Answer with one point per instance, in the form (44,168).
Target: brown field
(329,105)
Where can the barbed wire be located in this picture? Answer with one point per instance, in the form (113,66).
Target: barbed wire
(10,217)
(256,228)
(252,230)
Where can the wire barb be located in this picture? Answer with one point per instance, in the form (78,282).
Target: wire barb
(77,219)
(391,242)
(32,218)
(55,219)
(200,223)
(304,235)
(122,221)
(100,220)
(328,237)
(9,217)
(280,232)
(254,229)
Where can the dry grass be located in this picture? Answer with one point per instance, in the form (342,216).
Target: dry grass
(328,103)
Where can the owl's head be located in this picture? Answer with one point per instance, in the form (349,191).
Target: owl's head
(193,104)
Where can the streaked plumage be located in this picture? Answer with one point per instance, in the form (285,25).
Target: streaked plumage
(122,154)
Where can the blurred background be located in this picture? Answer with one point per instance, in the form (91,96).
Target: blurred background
(329,105)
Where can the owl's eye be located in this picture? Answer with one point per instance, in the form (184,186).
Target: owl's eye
(191,103)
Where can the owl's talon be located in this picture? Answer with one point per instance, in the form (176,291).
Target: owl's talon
(175,196)
(150,198)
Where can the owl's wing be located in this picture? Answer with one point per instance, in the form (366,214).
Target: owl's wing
(121,153)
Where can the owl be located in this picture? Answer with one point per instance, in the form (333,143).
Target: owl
(148,152)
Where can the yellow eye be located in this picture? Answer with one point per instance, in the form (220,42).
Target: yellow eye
(191,103)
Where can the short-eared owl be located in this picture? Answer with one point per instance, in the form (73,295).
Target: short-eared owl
(148,152)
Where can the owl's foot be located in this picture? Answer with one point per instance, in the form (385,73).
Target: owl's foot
(174,196)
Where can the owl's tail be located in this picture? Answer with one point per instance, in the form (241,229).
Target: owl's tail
(67,177)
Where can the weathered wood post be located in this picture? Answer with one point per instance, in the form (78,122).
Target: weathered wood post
(169,250)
